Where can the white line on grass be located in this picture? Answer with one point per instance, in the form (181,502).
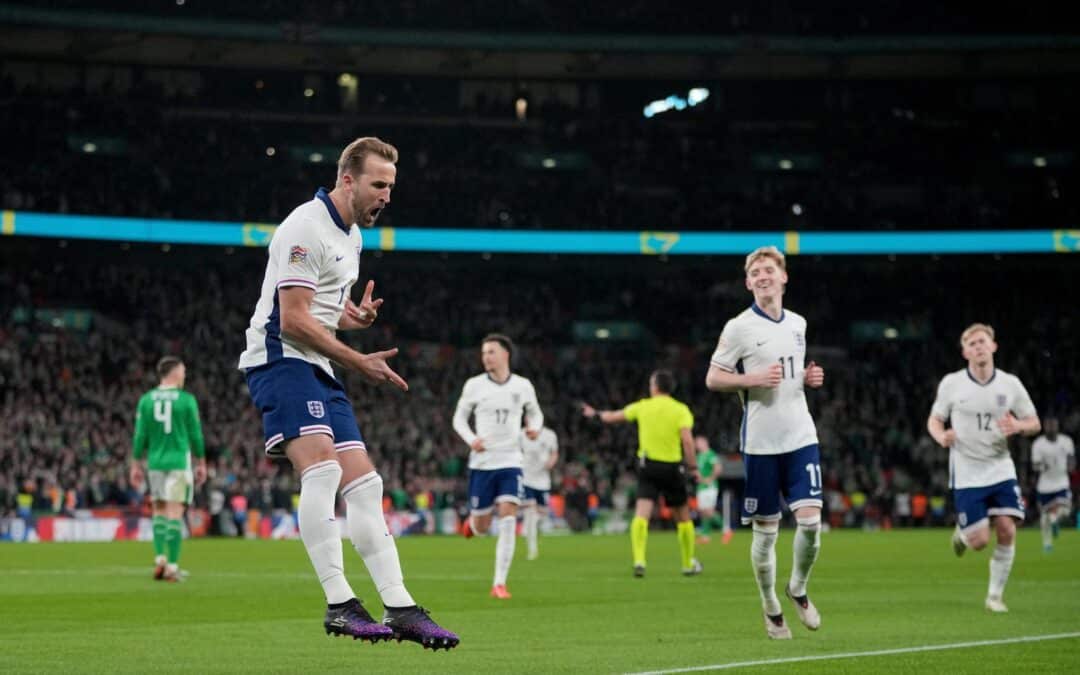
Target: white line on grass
(854,655)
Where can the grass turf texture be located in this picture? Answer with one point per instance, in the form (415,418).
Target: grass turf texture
(255,606)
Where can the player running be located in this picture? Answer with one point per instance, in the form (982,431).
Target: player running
(760,355)
(1053,456)
(539,456)
(984,406)
(499,400)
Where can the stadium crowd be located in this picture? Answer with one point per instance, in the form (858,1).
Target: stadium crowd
(81,325)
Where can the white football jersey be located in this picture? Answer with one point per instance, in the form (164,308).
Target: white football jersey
(1051,460)
(312,248)
(980,456)
(536,455)
(498,409)
(775,421)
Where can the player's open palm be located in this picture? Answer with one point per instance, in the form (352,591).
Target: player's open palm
(815,375)
(376,370)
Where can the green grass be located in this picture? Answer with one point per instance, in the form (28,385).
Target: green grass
(254,606)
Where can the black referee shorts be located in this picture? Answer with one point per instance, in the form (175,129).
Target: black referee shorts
(662,478)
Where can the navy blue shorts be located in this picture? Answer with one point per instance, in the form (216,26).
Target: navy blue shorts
(795,476)
(535,495)
(1051,499)
(487,488)
(297,398)
(975,505)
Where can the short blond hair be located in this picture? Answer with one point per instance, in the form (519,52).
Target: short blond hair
(765,252)
(352,157)
(975,328)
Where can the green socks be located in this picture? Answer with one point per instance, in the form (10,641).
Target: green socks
(174,534)
(159,535)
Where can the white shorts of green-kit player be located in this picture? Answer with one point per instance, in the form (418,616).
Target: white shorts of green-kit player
(172,486)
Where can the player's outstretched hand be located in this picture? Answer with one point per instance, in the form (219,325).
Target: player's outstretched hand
(815,375)
(768,379)
(376,370)
(588,411)
(1008,425)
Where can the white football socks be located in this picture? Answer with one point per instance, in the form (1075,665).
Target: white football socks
(371,539)
(806,546)
(532,525)
(319,531)
(504,548)
(1046,528)
(1000,565)
(763,557)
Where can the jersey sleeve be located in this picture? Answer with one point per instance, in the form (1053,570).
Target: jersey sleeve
(1023,407)
(139,441)
(553,443)
(686,418)
(534,417)
(465,405)
(729,348)
(198,444)
(1070,449)
(299,256)
(942,407)
(632,410)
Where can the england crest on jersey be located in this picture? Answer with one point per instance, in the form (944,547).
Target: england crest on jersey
(316,409)
(750,505)
(800,340)
(517,399)
(1002,400)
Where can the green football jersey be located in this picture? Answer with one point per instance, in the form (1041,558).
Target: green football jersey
(706,464)
(167,429)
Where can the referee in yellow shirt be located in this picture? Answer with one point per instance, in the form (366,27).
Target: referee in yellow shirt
(665,456)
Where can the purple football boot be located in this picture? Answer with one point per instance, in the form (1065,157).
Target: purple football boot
(415,624)
(353,619)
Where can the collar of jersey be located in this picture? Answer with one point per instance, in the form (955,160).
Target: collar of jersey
(981,384)
(324,196)
(508,378)
(760,312)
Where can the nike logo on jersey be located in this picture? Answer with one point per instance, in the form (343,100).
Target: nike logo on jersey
(339,258)
(815,493)
(762,342)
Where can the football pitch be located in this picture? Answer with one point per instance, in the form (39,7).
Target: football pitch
(255,606)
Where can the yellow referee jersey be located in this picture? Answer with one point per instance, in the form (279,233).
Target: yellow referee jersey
(659,419)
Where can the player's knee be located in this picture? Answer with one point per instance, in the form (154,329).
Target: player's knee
(766,527)
(977,539)
(1005,528)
